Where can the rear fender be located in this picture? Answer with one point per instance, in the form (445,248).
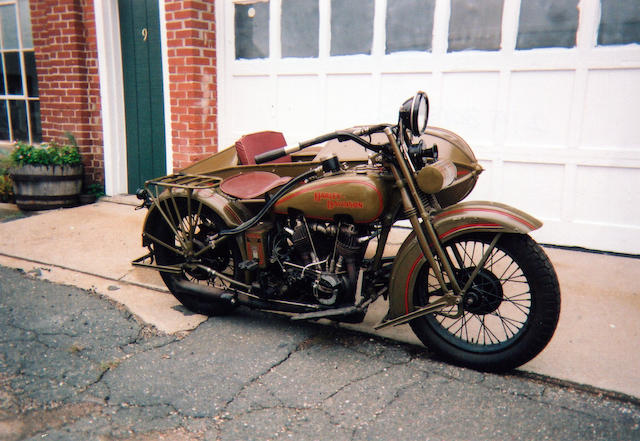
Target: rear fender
(231,212)
(449,223)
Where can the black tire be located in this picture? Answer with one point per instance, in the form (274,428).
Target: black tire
(224,258)
(510,312)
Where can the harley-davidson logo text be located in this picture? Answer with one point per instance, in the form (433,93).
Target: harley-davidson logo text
(336,200)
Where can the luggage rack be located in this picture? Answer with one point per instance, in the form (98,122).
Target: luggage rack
(188,182)
(166,185)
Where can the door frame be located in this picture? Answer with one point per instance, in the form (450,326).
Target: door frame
(112,94)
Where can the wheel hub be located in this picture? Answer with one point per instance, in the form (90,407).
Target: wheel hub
(484,295)
(216,258)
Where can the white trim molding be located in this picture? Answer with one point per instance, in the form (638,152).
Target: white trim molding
(111,96)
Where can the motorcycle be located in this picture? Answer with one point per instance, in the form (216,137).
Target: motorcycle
(286,229)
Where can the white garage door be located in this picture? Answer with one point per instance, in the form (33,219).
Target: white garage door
(546,92)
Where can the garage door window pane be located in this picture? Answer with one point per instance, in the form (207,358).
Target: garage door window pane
(300,23)
(547,23)
(351,27)
(475,24)
(619,22)
(252,30)
(409,25)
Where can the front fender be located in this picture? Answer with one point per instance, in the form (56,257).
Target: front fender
(449,223)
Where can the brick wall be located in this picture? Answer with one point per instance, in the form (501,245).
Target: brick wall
(191,42)
(64,38)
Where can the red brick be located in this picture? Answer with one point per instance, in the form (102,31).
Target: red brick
(66,53)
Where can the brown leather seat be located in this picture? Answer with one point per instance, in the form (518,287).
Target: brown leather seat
(252,184)
(253,144)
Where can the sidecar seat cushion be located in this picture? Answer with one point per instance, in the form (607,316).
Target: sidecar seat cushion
(252,184)
(251,145)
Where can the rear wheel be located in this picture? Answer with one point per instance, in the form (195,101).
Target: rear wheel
(510,311)
(186,230)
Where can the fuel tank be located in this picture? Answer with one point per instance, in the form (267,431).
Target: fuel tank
(360,195)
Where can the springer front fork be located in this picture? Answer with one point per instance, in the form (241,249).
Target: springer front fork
(429,243)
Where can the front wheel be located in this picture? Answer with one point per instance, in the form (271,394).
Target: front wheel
(509,313)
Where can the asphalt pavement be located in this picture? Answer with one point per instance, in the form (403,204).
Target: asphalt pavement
(75,365)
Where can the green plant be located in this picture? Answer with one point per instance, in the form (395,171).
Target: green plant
(6,189)
(6,184)
(96,189)
(46,154)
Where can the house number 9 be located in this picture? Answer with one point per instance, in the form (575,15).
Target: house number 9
(145,34)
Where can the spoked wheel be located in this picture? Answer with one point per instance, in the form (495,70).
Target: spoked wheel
(182,234)
(509,312)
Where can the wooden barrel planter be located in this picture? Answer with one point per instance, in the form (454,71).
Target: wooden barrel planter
(43,187)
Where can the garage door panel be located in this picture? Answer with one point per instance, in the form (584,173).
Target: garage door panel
(470,103)
(299,106)
(608,195)
(349,102)
(609,122)
(252,104)
(534,188)
(539,108)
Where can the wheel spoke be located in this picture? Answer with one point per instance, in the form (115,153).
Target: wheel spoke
(521,308)
(509,322)
(495,262)
(457,256)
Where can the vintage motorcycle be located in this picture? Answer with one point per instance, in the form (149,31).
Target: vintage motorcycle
(286,229)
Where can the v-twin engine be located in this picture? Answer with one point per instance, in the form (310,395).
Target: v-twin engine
(316,262)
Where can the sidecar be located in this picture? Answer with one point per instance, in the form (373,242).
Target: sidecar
(237,159)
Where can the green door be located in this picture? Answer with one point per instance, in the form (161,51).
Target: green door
(143,94)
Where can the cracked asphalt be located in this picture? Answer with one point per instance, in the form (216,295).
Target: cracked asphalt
(75,366)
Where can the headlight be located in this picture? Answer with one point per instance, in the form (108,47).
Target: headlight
(414,113)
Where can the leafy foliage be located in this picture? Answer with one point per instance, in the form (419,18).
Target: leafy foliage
(46,154)
(6,184)
(96,189)
(6,189)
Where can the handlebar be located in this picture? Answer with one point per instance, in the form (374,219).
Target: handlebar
(341,135)
(272,155)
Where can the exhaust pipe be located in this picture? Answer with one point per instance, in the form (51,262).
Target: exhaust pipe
(211,293)
(207,292)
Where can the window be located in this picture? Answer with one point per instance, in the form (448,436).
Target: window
(475,24)
(300,25)
(547,23)
(619,22)
(409,25)
(252,30)
(19,103)
(351,27)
